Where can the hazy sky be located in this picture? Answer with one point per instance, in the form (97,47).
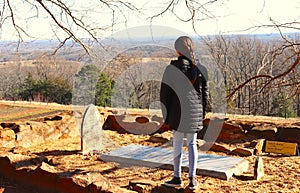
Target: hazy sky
(234,16)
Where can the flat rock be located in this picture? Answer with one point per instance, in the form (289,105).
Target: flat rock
(19,161)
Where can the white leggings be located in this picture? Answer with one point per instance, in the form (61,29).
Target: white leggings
(192,150)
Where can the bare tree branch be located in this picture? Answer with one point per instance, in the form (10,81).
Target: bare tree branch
(67,30)
(71,21)
(245,83)
(15,25)
(192,6)
(269,77)
(168,7)
(292,67)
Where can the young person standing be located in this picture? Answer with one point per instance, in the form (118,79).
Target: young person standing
(183,96)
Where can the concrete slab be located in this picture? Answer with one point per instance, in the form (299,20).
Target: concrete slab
(222,167)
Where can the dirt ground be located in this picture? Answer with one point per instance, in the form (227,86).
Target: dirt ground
(282,173)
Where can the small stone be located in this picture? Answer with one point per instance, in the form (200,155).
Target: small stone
(163,188)
(81,180)
(157,118)
(242,151)
(139,187)
(141,181)
(214,147)
(258,168)
(258,149)
(7,134)
(25,127)
(141,119)
(157,138)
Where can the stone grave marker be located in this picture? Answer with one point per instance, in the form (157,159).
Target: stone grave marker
(91,130)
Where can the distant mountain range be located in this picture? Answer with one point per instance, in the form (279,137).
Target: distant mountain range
(13,50)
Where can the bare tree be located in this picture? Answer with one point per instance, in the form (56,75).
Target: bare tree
(53,67)
(248,64)
(268,70)
(285,61)
(76,21)
(72,18)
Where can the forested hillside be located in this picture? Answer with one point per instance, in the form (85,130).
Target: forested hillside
(246,64)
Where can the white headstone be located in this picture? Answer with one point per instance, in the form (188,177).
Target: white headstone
(91,130)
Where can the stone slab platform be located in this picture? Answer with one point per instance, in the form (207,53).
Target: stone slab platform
(222,167)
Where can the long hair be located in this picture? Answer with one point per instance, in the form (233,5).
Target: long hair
(185,46)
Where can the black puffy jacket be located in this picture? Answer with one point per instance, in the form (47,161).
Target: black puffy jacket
(184,95)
